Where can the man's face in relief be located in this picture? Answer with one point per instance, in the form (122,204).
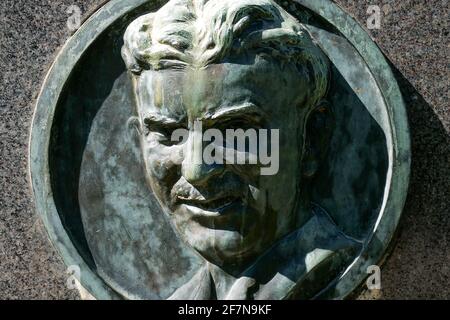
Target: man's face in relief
(229,213)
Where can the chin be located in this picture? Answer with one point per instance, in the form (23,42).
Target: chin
(220,247)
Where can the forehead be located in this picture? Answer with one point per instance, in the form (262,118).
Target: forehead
(193,93)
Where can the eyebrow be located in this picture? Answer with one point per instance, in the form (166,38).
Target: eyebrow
(246,108)
(159,120)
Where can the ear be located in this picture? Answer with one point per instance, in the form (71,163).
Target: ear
(134,128)
(319,128)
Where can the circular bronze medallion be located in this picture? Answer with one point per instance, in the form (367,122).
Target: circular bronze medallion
(220,149)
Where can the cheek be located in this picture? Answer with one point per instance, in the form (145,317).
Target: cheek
(282,187)
(162,162)
(290,151)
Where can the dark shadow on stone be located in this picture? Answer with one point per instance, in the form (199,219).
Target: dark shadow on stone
(416,261)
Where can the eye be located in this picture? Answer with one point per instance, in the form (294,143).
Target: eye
(164,135)
(162,130)
(161,136)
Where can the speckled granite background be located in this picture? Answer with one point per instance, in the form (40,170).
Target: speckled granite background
(414,36)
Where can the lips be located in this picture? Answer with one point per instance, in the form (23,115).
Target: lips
(226,211)
(213,205)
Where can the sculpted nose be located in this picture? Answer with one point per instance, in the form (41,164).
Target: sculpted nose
(197,174)
(193,169)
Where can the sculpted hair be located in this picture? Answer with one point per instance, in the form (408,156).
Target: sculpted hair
(198,33)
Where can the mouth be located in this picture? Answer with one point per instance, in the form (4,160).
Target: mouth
(214,206)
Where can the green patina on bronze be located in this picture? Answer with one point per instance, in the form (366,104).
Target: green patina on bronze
(344,152)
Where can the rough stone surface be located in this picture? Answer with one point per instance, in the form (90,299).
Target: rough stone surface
(413,35)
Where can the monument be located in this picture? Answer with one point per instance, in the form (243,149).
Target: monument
(123,185)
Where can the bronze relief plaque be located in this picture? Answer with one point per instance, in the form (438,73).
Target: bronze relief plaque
(220,149)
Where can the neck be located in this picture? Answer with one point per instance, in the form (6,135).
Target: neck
(304,213)
(223,281)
